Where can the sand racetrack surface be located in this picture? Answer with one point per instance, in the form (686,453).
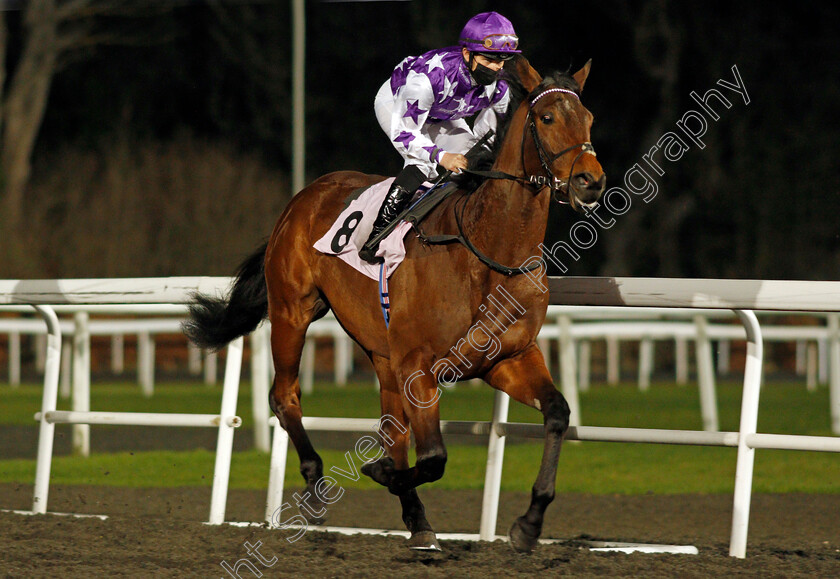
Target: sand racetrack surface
(157,532)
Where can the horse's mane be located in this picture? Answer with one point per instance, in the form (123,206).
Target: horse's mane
(483,160)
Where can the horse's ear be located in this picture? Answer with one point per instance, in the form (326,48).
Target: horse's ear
(581,75)
(529,77)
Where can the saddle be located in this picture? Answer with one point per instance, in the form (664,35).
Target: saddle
(440,190)
(417,211)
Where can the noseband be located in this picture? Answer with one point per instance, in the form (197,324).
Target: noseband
(547,159)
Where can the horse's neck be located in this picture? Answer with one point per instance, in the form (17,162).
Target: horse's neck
(507,220)
(508,216)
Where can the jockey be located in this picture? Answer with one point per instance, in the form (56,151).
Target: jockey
(423,106)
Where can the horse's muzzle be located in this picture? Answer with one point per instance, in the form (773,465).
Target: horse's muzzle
(586,189)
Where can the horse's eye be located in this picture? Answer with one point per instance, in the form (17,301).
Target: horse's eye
(547,119)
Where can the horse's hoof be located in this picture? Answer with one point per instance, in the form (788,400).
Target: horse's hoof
(314,519)
(424,541)
(520,539)
(315,506)
(380,471)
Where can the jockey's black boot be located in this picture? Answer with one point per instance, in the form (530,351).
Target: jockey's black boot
(400,193)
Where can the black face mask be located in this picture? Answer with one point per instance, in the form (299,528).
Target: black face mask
(483,75)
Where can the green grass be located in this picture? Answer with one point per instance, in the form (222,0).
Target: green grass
(597,468)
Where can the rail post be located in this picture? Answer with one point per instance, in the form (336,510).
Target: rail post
(749,422)
(276,473)
(14,359)
(224,444)
(706,375)
(834,370)
(493,473)
(81,381)
(645,363)
(681,361)
(260,377)
(46,434)
(613,361)
(568,371)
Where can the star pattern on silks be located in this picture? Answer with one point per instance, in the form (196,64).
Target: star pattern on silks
(482,101)
(413,111)
(399,75)
(462,104)
(404,138)
(435,62)
(448,89)
(432,151)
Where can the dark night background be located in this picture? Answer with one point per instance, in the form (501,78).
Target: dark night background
(180,131)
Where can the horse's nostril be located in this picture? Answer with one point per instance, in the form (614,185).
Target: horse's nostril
(602,182)
(588,181)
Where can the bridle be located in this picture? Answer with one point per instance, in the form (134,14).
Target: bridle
(546,158)
(538,181)
(548,179)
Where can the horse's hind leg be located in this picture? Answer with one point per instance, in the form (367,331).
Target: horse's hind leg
(289,321)
(526,379)
(395,437)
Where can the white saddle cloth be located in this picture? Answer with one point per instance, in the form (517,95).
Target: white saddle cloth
(352,229)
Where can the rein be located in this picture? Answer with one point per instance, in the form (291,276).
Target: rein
(538,181)
(465,241)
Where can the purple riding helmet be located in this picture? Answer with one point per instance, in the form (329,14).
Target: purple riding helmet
(490,32)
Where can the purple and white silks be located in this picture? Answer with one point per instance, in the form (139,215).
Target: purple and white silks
(423,105)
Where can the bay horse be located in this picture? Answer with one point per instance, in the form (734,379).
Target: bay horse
(439,294)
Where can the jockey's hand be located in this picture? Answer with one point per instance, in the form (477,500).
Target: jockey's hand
(453,162)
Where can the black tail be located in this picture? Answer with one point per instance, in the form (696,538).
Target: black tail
(215,321)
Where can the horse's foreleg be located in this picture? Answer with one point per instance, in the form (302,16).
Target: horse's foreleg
(395,437)
(419,393)
(287,342)
(526,379)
